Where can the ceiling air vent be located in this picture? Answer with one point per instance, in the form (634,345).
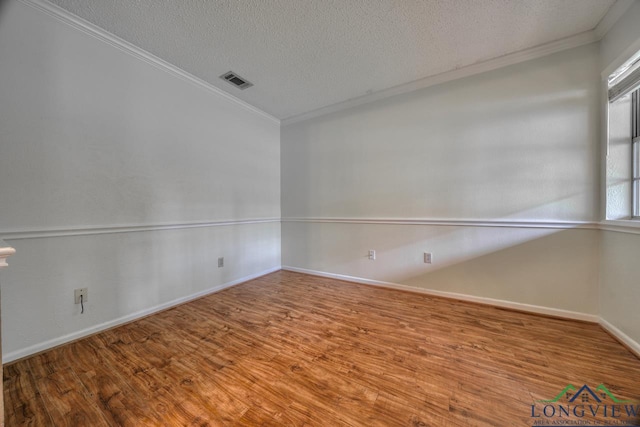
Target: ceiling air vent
(236,80)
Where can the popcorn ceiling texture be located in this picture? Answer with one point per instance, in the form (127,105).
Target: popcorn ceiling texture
(303,55)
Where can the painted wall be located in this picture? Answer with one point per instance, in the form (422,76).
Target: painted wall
(619,290)
(94,137)
(519,144)
(622,40)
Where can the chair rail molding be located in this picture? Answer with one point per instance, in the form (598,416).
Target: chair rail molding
(450,222)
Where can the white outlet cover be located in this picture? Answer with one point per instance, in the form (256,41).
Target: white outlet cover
(81,291)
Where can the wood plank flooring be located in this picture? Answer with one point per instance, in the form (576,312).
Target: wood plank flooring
(292,349)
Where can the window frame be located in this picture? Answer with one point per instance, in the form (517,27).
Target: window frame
(635,154)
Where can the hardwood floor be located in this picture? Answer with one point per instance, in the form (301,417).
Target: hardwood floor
(292,349)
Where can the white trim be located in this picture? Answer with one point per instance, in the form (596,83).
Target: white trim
(606,23)
(62,15)
(93,30)
(621,226)
(536,309)
(36,348)
(615,12)
(112,229)
(447,76)
(451,222)
(631,227)
(632,344)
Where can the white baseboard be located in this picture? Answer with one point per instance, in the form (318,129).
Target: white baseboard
(46,345)
(617,333)
(536,309)
(625,339)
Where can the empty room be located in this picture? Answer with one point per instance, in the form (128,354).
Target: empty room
(320,213)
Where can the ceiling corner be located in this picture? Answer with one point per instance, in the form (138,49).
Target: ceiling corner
(615,12)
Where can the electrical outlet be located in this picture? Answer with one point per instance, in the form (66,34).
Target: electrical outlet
(372,255)
(220,262)
(81,291)
(427,258)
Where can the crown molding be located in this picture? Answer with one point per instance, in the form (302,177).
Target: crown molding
(615,12)
(114,229)
(104,36)
(447,76)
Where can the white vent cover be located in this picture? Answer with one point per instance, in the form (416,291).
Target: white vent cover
(236,80)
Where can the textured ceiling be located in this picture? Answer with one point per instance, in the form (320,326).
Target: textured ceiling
(302,55)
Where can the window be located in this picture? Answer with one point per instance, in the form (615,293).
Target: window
(623,148)
(635,138)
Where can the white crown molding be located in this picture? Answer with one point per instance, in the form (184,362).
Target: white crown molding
(625,339)
(46,345)
(452,222)
(536,309)
(470,70)
(132,228)
(93,30)
(615,12)
(606,23)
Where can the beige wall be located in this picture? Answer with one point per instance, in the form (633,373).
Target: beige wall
(620,282)
(519,143)
(544,268)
